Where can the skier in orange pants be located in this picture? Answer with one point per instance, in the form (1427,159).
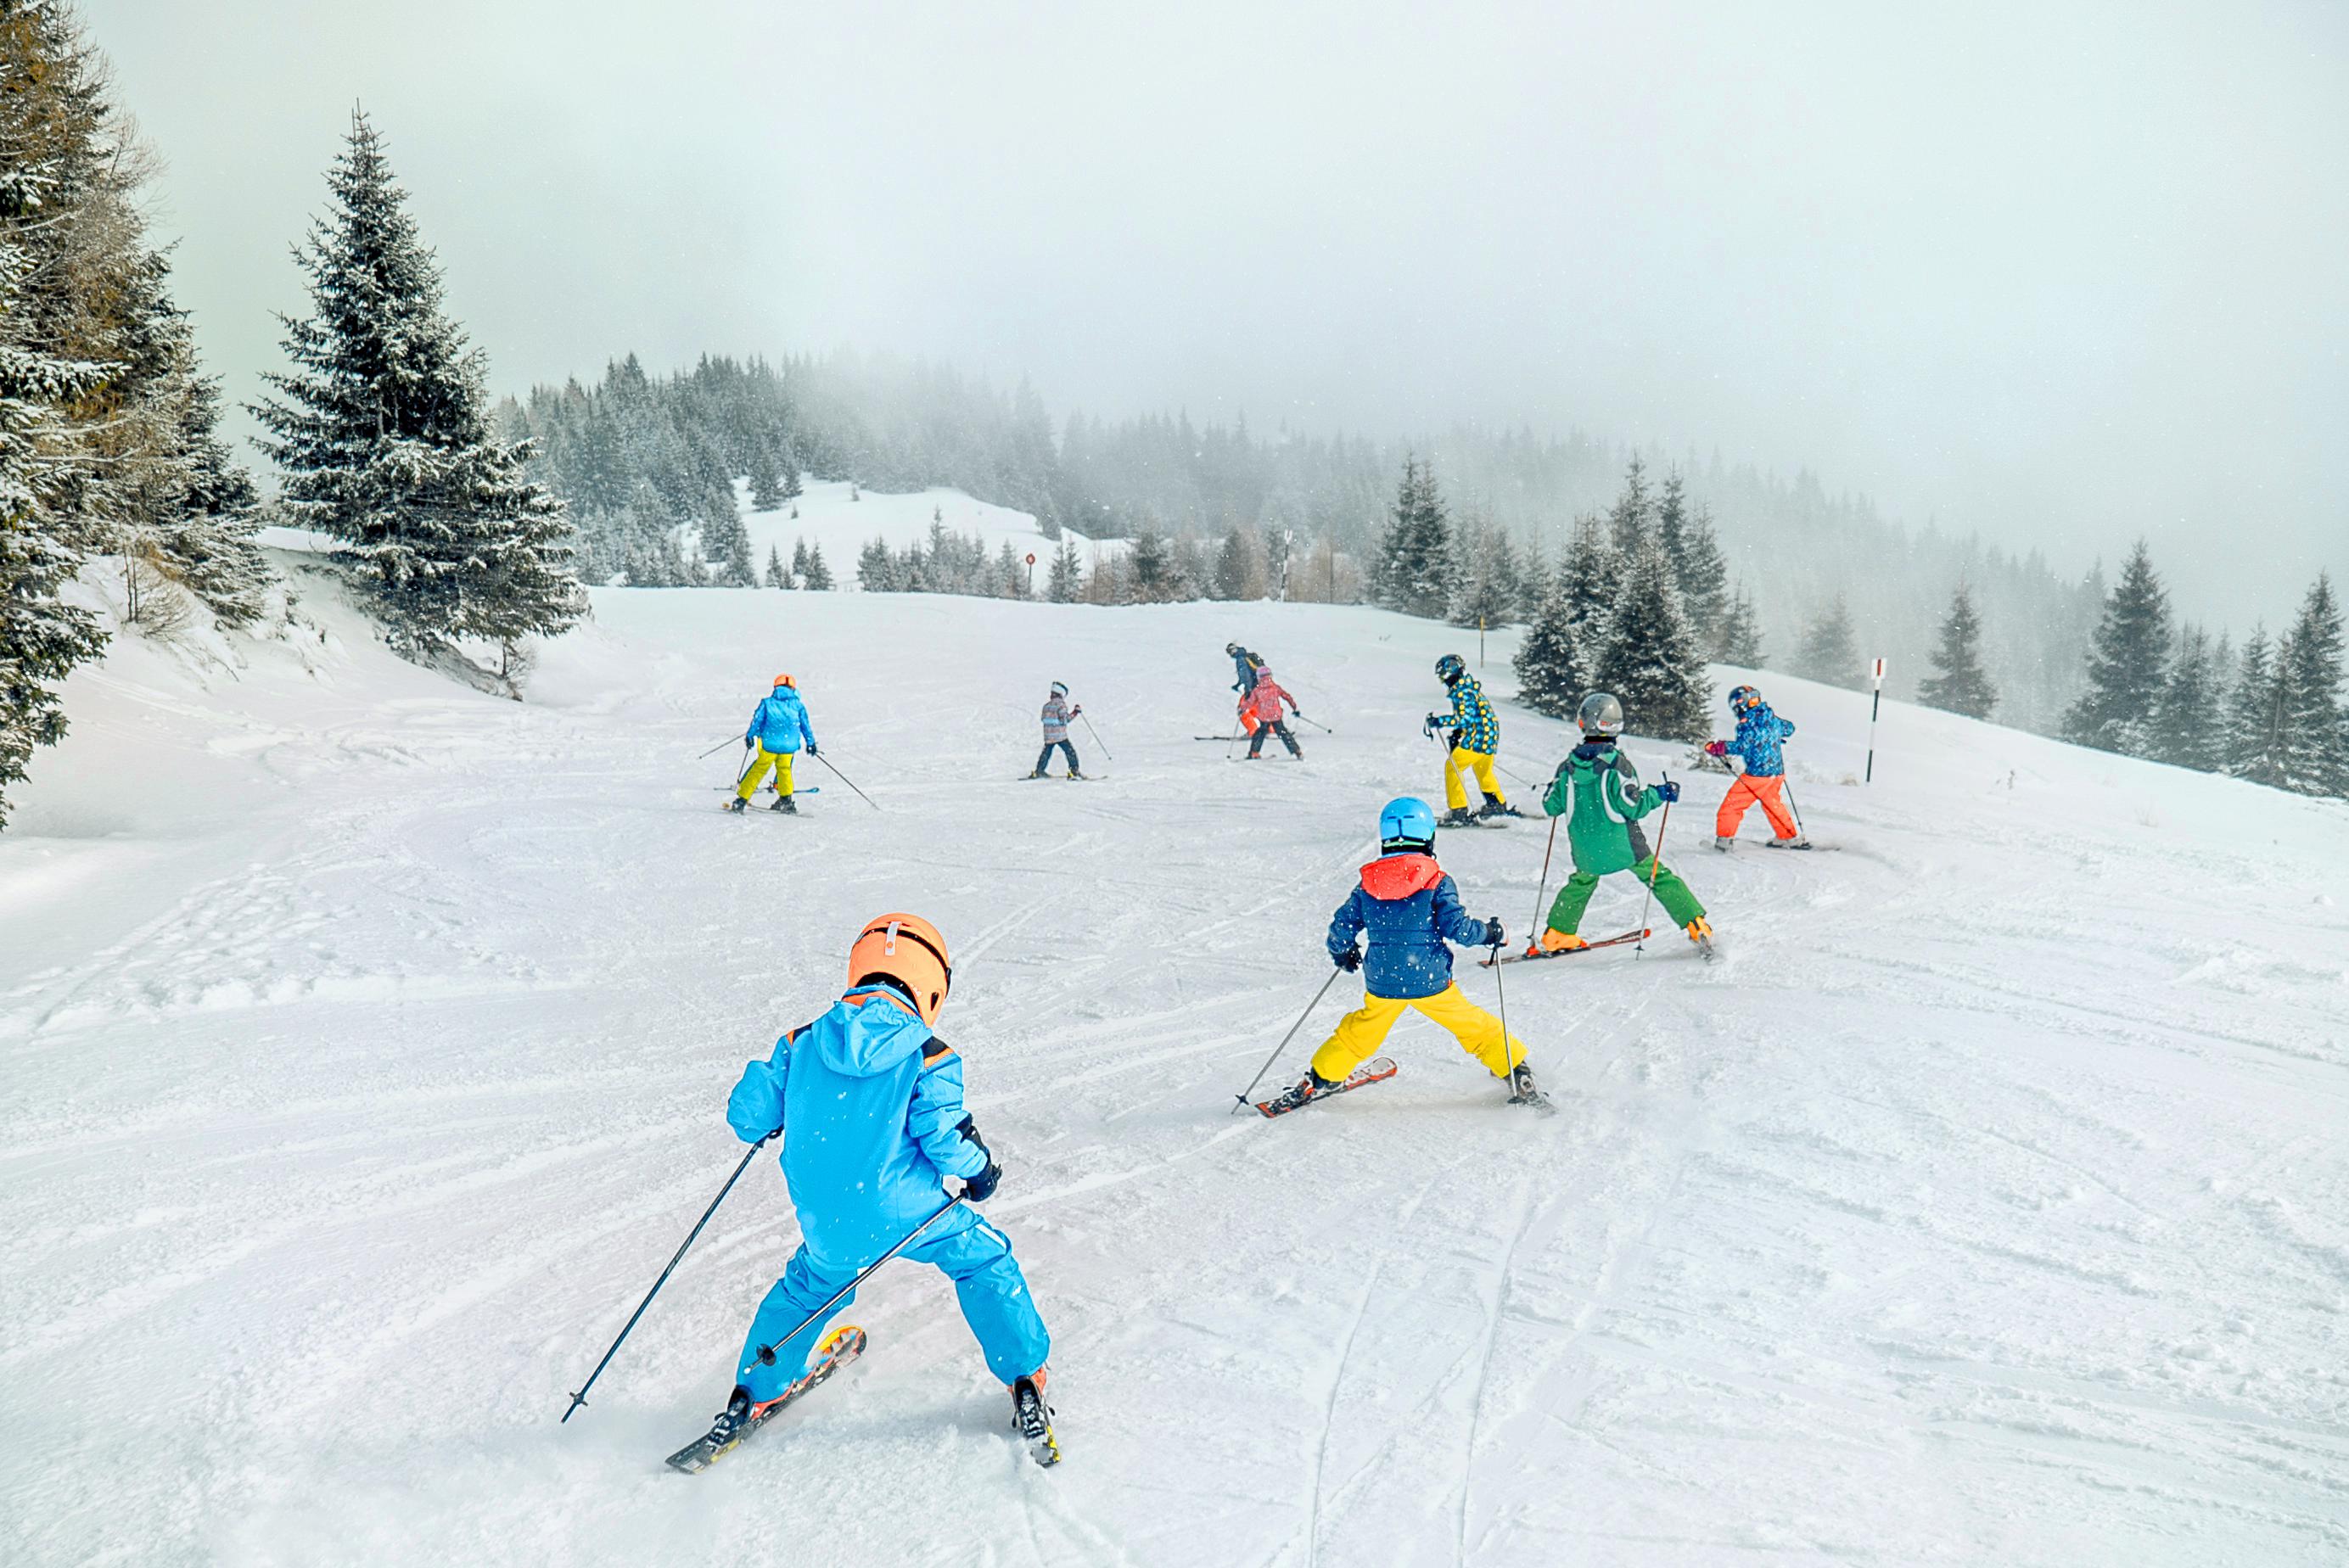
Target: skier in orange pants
(1760,733)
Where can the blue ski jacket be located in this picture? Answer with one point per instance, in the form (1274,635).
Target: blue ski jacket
(779,722)
(870,1103)
(1759,734)
(1409,905)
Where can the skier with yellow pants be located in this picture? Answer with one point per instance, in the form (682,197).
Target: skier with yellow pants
(1409,909)
(1598,792)
(1474,735)
(779,726)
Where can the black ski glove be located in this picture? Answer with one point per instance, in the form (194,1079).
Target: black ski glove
(1350,960)
(1493,936)
(811,750)
(978,1188)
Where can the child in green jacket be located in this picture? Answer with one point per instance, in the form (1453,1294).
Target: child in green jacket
(1598,791)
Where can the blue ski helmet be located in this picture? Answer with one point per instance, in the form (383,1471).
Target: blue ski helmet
(1406,822)
(1450,668)
(1744,700)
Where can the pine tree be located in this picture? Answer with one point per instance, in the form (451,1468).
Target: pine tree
(1830,650)
(2308,667)
(41,639)
(1591,578)
(1697,564)
(384,440)
(2192,731)
(766,478)
(777,575)
(1741,636)
(1068,574)
(2256,715)
(1551,674)
(1237,575)
(1960,684)
(1633,520)
(1652,660)
(1415,564)
(2128,663)
(876,569)
(818,576)
(1486,590)
(1012,571)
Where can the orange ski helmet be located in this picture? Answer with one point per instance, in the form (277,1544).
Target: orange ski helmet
(907,949)
(786,680)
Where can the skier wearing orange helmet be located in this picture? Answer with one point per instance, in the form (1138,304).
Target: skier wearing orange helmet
(779,726)
(869,1102)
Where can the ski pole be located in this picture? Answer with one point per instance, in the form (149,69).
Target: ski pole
(581,1398)
(1501,991)
(1242,1096)
(716,748)
(767,1352)
(1535,931)
(1318,725)
(1096,735)
(845,778)
(1788,784)
(1655,864)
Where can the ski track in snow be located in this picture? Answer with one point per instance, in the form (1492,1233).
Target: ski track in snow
(369,1044)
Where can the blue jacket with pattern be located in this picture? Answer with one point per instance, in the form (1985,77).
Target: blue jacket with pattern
(1409,905)
(1476,727)
(1759,734)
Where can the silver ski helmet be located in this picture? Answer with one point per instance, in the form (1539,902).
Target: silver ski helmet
(1406,826)
(1450,668)
(1601,715)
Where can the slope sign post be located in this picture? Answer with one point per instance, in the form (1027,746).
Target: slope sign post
(1874,703)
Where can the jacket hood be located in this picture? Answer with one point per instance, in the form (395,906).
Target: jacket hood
(1392,876)
(1592,751)
(877,1030)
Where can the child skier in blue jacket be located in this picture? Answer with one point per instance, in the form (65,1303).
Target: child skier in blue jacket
(869,1102)
(1409,909)
(1760,735)
(779,726)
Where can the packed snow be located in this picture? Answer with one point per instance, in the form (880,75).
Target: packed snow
(368,1040)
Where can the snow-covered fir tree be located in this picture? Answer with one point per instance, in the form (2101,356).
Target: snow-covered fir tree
(766,476)
(1652,660)
(1632,518)
(1590,579)
(1958,684)
(1416,569)
(2192,730)
(2128,663)
(817,575)
(1068,579)
(1012,571)
(2311,754)
(383,439)
(777,575)
(1694,549)
(2255,716)
(1239,566)
(1552,677)
(1740,633)
(1830,652)
(1486,589)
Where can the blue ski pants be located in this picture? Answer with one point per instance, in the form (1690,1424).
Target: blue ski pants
(966,1248)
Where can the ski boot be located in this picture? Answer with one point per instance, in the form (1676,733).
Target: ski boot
(1523,1090)
(1076,777)
(1496,807)
(737,805)
(1031,1418)
(1723,842)
(1700,930)
(1799,841)
(1458,817)
(1305,1089)
(737,1418)
(1039,773)
(786,805)
(1555,941)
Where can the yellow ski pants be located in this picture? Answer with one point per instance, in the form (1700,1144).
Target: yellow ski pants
(781,761)
(1362,1031)
(1461,760)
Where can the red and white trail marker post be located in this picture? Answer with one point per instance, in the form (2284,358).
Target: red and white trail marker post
(1874,705)
(1031,579)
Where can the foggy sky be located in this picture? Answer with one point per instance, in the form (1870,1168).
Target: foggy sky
(2061,274)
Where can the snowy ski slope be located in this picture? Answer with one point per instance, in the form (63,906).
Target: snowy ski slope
(367,1041)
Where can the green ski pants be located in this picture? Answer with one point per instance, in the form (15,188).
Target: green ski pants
(1565,911)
